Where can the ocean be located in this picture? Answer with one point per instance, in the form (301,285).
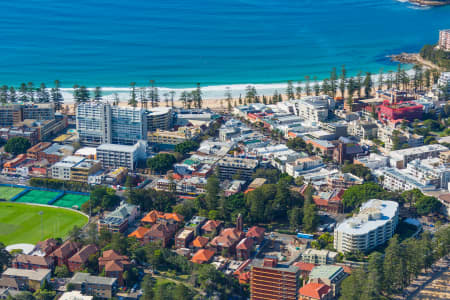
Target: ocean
(214,42)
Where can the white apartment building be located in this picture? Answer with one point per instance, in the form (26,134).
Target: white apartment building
(427,174)
(372,226)
(401,158)
(100,123)
(61,170)
(311,108)
(444,80)
(93,123)
(444,39)
(299,166)
(114,156)
(159,118)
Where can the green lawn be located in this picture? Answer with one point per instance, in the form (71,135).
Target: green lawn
(7,192)
(21,223)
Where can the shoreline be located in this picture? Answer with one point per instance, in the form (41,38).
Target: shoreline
(413,58)
(209,93)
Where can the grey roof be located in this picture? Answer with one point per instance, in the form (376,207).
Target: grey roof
(37,275)
(325,271)
(80,278)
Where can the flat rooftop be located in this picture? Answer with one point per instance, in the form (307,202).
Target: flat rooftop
(372,214)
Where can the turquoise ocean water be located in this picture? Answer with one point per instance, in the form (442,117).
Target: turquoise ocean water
(215,42)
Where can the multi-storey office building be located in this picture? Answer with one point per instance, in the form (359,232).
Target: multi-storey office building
(230,166)
(374,225)
(270,280)
(115,156)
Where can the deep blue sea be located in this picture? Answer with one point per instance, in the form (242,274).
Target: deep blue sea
(214,42)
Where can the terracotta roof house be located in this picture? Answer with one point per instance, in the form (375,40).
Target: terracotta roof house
(46,247)
(305,268)
(32,262)
(256,233)
(203,256)
(76,262)
(139,233)
(199,242)
(212,226)
(160,232)
(227,239)
(244,248)
(114,264)
(64,252)
(329,201)
(155,216)
(313,291)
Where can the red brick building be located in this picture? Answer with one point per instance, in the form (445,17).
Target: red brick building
(62,254)
(32,262)
(403,110)
(79,259)
(244,248)
(114,264)
(270,280)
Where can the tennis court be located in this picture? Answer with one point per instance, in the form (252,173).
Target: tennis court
(70,200)
(38,197)
(7,192)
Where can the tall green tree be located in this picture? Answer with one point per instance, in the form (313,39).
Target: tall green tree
(368,84)
(290,90)
(310,217)
(212,192)
(394,267)
(12,96)
(98,93)
(4,94)
(307,85)
(299,89)
(17,145)
(343,81)
(56,95)
(333,82)
(133,98)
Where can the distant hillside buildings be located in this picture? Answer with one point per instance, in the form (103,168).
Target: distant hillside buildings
(444,39)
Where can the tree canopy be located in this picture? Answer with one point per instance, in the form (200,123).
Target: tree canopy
(17,145)
(161,162)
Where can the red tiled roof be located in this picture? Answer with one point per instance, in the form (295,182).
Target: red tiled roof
(47,245)
(256,232)
(154,215)
(304,266)
(159,231)
(139,233)
(314,290)
(112,261)
(65,249)
(202,256)
(245,244)
(83,255)
(211,225)
(227,238)
(33,260)
(200,242)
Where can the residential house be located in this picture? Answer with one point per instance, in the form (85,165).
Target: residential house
(212,227)
(32,262)
(184,237)
(244,248)
(22,279)
(203,256)
(227,240)
(45,248)
(119,219)
(62,254)
(87,284)
(79,259)
(330,201)
(305,268)
(113,264)
(256,233)
(199,242)
(329,275)
(315,291)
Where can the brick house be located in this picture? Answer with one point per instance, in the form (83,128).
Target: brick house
(77,261)
(45,248)
(32,262)
(212,227)
(62,254)
(256,233)
(203,256)
(227,239)
(244,248)
(114,264)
